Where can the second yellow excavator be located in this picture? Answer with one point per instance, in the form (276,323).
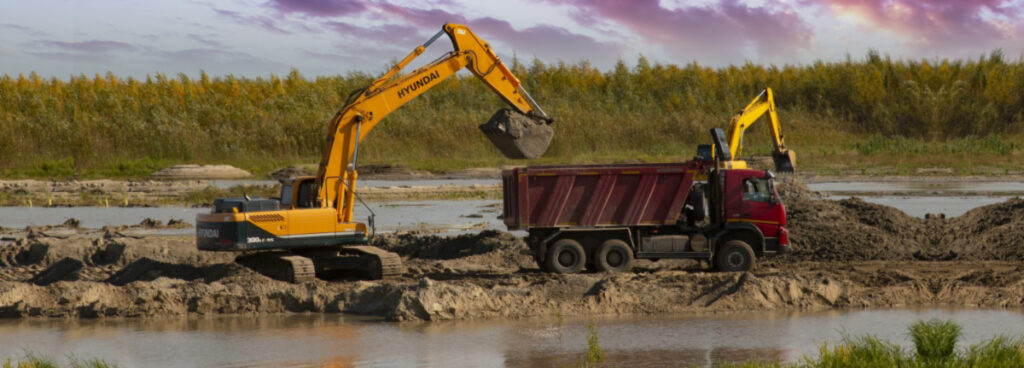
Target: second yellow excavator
(784,158)
(309,231)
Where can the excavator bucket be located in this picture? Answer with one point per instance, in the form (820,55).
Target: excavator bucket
(517,135)
(785,161)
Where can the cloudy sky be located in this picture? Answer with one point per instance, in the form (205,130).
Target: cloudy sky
(326,37)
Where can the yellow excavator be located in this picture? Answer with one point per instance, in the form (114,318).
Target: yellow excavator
(784,158)
(309,231)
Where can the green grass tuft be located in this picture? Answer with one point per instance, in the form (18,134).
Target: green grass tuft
(935,340)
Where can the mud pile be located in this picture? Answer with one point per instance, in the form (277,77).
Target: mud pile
(850,229)
(994,231)
(487,251)
(854,230)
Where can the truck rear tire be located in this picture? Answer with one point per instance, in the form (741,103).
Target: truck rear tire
(614,256)
(566,256)
(734,256)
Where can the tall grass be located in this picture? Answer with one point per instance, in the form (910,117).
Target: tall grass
(934,346)
(34,360)
(123,126)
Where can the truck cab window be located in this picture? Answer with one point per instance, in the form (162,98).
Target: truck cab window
(758,190)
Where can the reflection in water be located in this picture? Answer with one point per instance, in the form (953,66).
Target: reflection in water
(317,340)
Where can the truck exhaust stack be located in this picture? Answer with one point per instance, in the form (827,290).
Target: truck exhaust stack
(518,136)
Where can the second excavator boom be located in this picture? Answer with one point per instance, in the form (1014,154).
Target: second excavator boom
(764,103)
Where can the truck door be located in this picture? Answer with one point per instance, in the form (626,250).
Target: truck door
(751,198)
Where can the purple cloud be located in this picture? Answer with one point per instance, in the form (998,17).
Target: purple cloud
(320,8)
(23,29)
(394,34)
(93,46)
(720,31)
(260,21)
(543,41)
(933,24)
(547,41)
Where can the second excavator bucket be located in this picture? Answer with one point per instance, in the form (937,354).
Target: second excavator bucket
(518,135)
(785,161)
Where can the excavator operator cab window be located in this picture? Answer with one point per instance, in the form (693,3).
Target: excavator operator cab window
(286,196)
(307,195)
(759,190)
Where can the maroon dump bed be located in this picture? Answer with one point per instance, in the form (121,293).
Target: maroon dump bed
(596,195)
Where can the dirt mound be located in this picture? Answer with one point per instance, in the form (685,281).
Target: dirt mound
(189,172)
(995,231)
(487,250)
(850,229)
(291,172)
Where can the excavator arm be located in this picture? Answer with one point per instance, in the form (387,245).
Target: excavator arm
(336,176)
(784,158)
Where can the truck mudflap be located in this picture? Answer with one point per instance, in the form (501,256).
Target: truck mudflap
(783,240)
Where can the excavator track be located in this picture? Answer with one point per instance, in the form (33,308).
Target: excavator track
(281,266)
(376,263)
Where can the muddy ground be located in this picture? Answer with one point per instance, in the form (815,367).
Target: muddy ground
(848,254)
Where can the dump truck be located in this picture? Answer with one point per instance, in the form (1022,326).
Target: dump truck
(602,217)
(309,231)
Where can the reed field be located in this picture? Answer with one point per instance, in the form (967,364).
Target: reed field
(870,114)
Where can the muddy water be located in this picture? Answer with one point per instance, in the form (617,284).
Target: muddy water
(277,341)
(225,184)
(452,216)
(914,198)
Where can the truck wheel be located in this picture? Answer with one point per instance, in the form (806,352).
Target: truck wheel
(733,256)
(566,256)
(613,255)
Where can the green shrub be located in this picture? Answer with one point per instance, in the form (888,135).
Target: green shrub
(935,340)
(125,126)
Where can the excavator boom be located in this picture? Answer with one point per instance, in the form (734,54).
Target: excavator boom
(523,132)
(783,157)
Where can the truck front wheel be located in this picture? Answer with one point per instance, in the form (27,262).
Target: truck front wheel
(566,256)
(613,255)
(733,256)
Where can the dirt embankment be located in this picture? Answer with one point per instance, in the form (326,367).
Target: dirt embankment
(848,254)
(855,230)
